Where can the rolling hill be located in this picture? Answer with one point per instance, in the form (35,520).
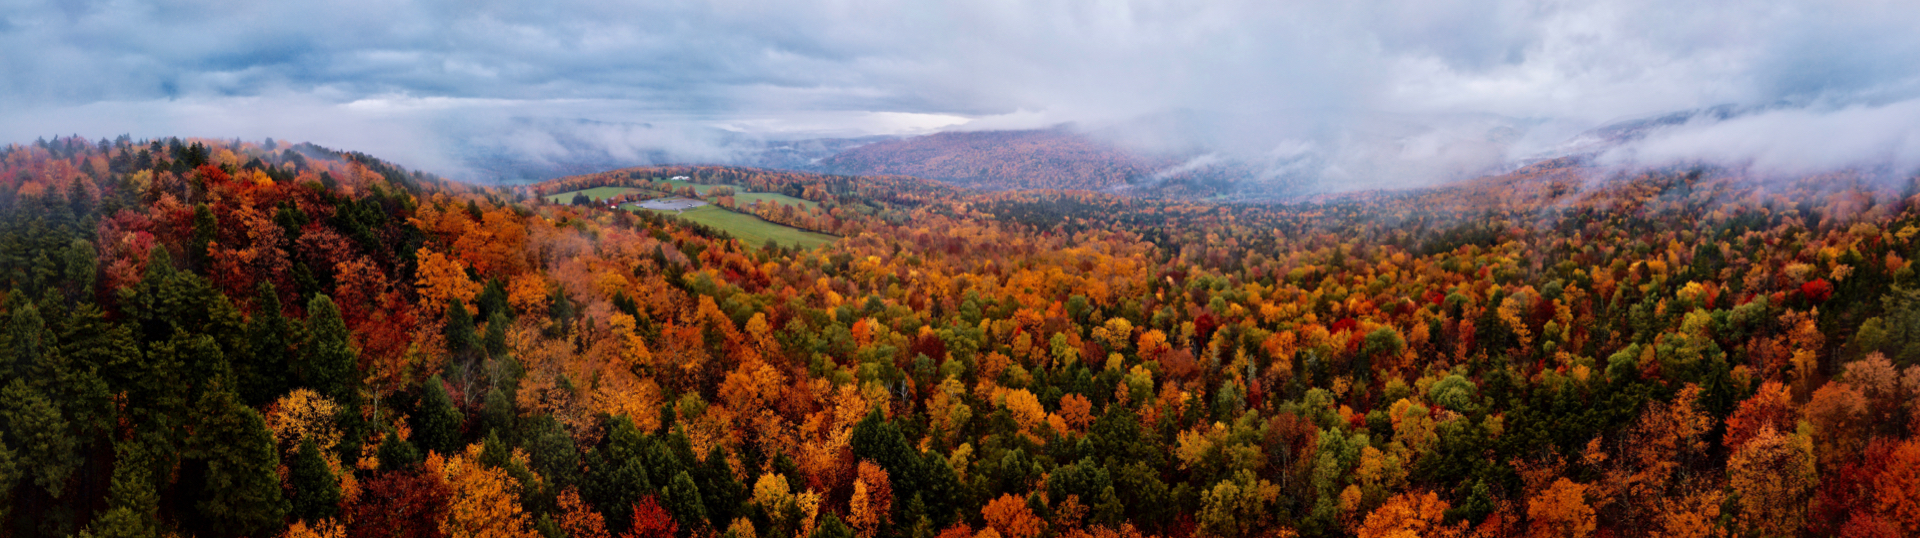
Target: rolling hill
(1055,158)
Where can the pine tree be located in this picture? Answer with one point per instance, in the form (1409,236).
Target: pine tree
(133,505)
(328,358)
(462,343)
(437,422)
(831,527)
(720,491)
(33,425)
(328,366)
(242,494)
(496,337)
(262,371)
(683,500)
(205,229)
(316,491)
(396,453)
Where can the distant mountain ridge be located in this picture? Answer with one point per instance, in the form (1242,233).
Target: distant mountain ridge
(1189,154)
(1056,158)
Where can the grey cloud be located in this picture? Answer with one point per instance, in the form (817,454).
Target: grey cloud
(1381,92)
(1790,141)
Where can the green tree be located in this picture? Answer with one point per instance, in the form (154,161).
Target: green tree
(617,475)
(205,229)
(329,366)
(496,336)
(436,423)
(720,491)
(683,500)
(316,491)
(47,449)
(830,526)
(462,342)
(133,504)
(82,265)
(396,453)
(241,495)
(262,371)
(328,359)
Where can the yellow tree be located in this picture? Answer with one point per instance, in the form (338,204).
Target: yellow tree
(872,502)
(1410,515)
(1691,516)
(1009,515)
(1896,488)
(442,279)
(485,501)
(1561,511)
(300,415)
(578,519)
(1774,475)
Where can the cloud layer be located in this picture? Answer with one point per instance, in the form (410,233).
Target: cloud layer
(1401,84)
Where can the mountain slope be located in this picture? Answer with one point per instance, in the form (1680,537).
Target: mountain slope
(1045,159)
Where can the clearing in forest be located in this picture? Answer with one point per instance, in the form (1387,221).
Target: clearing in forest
(749,229)
(596,193)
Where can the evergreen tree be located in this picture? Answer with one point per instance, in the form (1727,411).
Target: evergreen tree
(720,491)
(34,426)
(316,491)
(497,414)
(551,451)
(617,475)
(396,453)
(241,496)
(133,504)
(328,366)
(436,423)
(683,500)
(463,344)
(328,358)
(262,371)
(496,338)
(10,474)
(81,262)
(205,229)
(831,527)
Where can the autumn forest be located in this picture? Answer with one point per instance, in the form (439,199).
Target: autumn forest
(225,338)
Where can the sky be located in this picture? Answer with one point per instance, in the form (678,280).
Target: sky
(1380,92)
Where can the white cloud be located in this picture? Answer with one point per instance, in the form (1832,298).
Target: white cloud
(418,80)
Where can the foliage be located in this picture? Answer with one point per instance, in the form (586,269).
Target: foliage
(217,337)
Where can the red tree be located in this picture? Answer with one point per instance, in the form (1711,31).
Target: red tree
(400,504)
(650,520)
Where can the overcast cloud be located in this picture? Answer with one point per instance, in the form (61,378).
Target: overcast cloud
(1383,91)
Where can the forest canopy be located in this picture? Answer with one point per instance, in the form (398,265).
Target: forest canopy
(226,338)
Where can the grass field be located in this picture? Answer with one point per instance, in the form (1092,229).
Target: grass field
(697,187)
(744,199)
(750,229)
(597,193)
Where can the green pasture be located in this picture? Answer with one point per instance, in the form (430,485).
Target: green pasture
(744,199)
(740,195)
(597,193)
(750,229)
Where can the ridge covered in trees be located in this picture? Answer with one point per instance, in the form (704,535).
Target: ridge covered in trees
(1034,159)
(226,338)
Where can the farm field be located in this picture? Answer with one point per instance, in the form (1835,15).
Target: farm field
(750,198)
(597,193)
(741,196)
(750,229)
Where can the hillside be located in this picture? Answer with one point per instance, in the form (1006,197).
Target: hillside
(1032,159)
(222,338)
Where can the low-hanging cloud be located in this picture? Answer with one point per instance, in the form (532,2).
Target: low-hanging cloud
(1790,141)
(1385,92)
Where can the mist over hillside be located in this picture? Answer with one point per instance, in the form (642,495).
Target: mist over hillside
(1249,156)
